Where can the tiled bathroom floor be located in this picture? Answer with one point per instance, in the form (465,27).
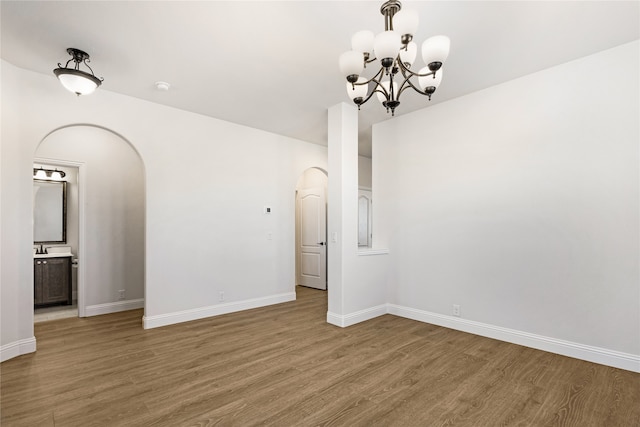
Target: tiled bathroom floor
(56,312)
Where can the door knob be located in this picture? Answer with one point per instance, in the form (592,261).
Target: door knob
(322,243)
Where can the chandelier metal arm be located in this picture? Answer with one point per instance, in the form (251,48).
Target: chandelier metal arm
(375,79)
(406,84)
(370,95)
(87,65)
(407,80)
(404,69)
(67,64)
(79,57)
(372,79)
(369,61)
(378,88)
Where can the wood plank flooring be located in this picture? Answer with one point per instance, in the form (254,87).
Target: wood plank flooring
(283,365)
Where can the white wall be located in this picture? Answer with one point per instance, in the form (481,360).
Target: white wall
(113,182)
(520,204)
(206,183)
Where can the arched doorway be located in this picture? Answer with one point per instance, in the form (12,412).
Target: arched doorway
(110,247)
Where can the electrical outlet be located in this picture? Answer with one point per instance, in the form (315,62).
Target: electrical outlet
(221,296)
(456,310)
(121,294)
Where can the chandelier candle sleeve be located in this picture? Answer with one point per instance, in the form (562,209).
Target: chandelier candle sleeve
(396,52)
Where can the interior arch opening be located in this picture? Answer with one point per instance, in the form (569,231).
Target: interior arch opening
(105,217)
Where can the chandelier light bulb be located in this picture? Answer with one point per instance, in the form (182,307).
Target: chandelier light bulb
(408,54)
(435,50)
(386,47)
(351,65)
(40,174)
(357,91)
(405,22)
(430,80)
(362,41)
(78,84)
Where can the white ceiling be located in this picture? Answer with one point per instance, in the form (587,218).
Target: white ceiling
(272,65)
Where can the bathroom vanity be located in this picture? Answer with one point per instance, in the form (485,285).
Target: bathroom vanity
(52,279)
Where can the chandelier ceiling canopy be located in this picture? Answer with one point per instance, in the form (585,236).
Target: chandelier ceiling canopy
(396,52)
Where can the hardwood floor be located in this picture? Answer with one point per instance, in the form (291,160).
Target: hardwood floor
(283,365)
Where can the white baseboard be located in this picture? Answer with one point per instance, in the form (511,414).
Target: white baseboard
(359,316)
(113,307)
(603,356)
(157,321)
(17,348)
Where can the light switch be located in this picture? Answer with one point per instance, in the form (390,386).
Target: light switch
(269,236)
(334,236)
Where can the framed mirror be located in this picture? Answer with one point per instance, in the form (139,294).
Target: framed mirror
(49,211)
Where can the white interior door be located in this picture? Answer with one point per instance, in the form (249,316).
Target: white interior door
(313,238)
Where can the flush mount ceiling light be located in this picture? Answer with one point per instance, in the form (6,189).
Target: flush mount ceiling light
(396,52)
(75,80)
(55,175)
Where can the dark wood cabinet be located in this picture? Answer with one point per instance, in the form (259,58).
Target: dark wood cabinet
(52,281)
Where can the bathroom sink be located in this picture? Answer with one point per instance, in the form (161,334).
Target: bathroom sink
(55,251)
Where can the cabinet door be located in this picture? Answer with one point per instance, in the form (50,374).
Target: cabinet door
(55,283)
(38,275)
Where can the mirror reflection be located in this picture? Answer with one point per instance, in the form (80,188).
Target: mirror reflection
(49,211)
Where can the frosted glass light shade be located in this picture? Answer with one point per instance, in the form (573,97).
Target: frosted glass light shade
(406,22)
(435,49)
(78,82)
(41,174)
(362,41)
(429,81)
(408,55)
(385,84)
(386,45)
(358,91)
(351,63)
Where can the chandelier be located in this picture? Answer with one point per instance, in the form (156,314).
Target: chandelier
(396,52)
(74,79)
